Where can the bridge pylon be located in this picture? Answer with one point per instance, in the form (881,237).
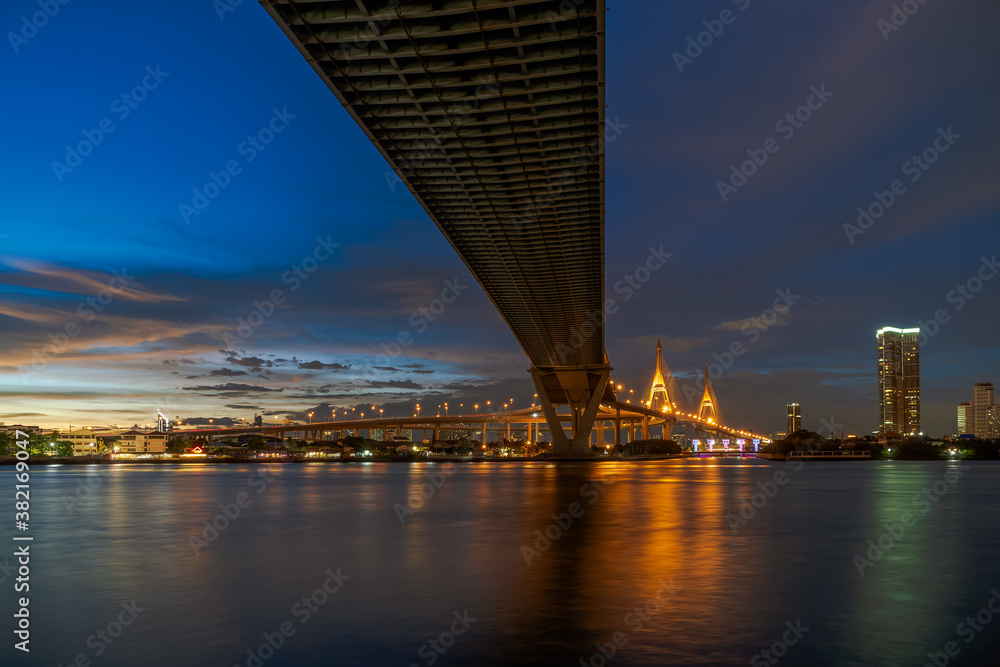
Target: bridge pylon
(662,389)
(708,411)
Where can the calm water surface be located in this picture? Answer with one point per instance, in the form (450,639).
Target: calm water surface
(653,536)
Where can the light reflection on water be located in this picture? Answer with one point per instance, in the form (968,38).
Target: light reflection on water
(650,524)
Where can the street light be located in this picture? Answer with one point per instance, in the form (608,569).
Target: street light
(310,418)
(477,408)
(380,413)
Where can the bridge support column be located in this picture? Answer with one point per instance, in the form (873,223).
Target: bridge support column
(582,389)
(645,428)
(483,427)
(437,434)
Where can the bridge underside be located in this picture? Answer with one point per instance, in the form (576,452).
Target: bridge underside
(491,112)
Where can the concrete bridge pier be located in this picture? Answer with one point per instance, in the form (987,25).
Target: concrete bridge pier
(579,388)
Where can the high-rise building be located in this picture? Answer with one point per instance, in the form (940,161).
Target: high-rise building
(965,418)
(794,418)
(994,414)
(899,380)
(982,401)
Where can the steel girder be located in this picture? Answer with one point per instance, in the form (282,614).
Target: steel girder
(491,112)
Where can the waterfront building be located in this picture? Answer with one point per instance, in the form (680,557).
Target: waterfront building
(84,441)
(982,401)
(794,418)
(139,442)
(13,428)
(965,418)
(899,380)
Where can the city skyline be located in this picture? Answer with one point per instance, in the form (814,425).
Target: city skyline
(163,300)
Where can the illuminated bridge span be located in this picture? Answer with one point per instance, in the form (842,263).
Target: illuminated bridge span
(491,112)
(656,410)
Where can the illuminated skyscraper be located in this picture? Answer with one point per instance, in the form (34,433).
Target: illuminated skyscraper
(899,380)
(965,418)
(794,418)
(982,401)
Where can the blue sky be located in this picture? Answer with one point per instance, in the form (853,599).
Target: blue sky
(161,340)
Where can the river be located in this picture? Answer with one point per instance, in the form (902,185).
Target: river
(677,562)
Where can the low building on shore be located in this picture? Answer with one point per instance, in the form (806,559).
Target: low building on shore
(139,442)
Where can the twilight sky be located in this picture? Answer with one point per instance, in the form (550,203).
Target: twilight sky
(122,289)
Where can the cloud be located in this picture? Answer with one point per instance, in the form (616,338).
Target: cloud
(394,384)
(249,362)
(226,372)
(754,323)
(231,387)
(422,371)
(318,365)
(176,362)
(52,278)
(386,368)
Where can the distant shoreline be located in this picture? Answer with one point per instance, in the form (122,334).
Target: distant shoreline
(78,460)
